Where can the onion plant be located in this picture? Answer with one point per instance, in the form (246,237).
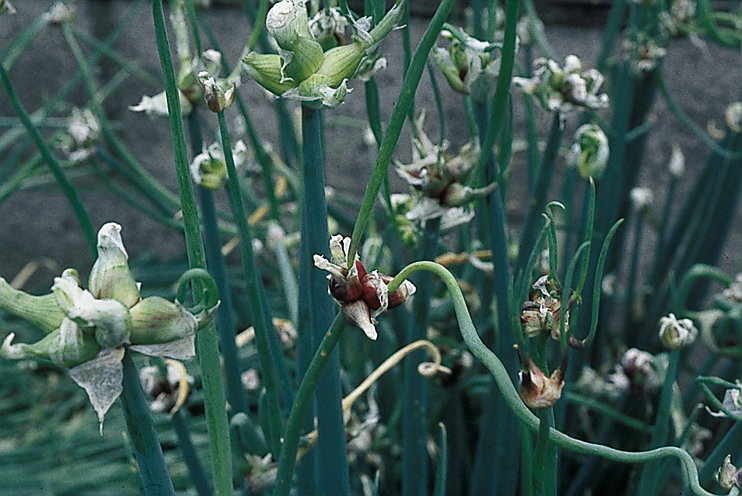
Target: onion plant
(587,343)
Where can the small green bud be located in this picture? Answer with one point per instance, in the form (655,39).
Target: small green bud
(71,346)
(42,311)
(589,152)
(443,59)
(67,346)
(315,92)
(23,351)
(458,195)
(110,277)
(155,320)
(108,319)
(387,23)
(728,476)
(341,63)
(219,95)
(209,168)
(265,69)
(676,333)
(287,22)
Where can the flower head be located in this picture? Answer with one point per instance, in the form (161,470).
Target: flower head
(641,198)
(80,140)
(469,65)
(363,296)
(168,386)
(98,324)
(542,312)
(728,476)
(218,93)
(5,6)
(564,89)
(440,178)
(59,12)
(209,168)
(676,333)
(537,390)
(642,53)
(309,71)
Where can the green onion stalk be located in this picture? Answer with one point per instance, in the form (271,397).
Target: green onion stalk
(207,344)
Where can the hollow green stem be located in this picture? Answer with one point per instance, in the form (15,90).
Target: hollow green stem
(397,119)
(268,368)
(512,398)
(147,450)
(544,456)
(308,384)
(414,415)
(332,461)
(208,348)
(650,481)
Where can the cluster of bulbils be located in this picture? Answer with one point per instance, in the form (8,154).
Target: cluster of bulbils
(362,295)
(314,65)
(542,314)
(89,330)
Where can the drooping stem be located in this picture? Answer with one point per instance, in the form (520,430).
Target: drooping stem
(514,402)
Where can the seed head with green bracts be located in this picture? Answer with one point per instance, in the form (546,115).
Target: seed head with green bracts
(439,178)
(89,329)
(303,70)
(564,88)
(470,66)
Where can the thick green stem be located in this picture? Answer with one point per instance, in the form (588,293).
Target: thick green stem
(208,348)
(414,416)
(290,445)
(147,450)
(268,368)
(332,461)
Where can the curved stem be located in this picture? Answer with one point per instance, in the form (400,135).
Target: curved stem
(526,416)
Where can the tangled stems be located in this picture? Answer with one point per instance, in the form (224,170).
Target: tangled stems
(514,402)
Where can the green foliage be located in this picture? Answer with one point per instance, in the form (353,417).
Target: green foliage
(572,343)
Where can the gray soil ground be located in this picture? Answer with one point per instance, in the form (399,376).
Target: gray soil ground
(37,223)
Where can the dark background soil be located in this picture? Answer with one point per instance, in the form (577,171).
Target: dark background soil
(38,222)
